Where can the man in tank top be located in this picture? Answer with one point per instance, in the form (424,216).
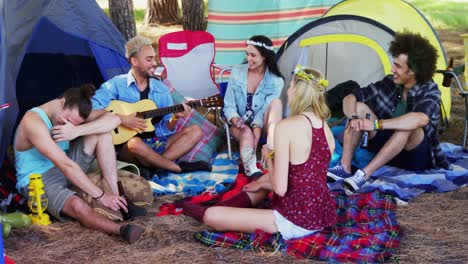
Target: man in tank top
(59,140)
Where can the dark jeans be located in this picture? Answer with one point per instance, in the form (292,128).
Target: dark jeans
(416,159)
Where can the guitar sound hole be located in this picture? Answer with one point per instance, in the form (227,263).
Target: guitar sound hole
(156,120)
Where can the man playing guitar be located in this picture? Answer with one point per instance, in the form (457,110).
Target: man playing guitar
(166,145)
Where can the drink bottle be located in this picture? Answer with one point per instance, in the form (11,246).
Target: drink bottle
(126,215)
(245,118)
(365,136)
(448,78)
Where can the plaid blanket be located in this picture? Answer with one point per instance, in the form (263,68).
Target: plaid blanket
(224,173)
(211,139)
(407,185)
(367,231)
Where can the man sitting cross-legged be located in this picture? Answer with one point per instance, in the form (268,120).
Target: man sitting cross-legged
(60,140)
(166,145)
(404,109)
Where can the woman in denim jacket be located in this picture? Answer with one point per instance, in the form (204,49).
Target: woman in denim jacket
(251,104)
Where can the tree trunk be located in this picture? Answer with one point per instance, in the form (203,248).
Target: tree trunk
(194,15)
(162,12)
(121,14)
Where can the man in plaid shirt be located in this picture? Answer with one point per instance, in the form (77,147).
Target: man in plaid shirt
(404,113)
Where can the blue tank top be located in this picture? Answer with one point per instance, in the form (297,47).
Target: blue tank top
(31,160)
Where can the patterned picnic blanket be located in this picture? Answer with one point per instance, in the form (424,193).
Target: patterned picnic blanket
(224,173)
(367,231)
(407,185)
(211,139)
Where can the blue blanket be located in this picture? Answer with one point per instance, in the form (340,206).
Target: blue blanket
(406,185)
(224,172)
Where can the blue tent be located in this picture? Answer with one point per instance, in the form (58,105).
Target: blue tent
(48,46)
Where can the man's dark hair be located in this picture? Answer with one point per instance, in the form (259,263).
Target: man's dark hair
(80,97)
(422,56)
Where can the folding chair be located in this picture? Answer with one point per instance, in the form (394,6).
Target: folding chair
(453,74)
(222,90)
(187,57)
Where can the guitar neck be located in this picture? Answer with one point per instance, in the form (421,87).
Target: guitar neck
(168,110)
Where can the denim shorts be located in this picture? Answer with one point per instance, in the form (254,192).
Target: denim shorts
(288,229)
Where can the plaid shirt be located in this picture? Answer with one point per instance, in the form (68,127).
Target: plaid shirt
(383,97)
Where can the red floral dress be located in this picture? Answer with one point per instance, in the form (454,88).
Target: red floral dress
(307,202)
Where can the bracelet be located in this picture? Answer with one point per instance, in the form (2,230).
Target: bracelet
(381,124)
(376,124)
(271,155)
(174,118)
(352,118)
(100,196)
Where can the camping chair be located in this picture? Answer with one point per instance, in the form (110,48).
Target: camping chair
(187,57)
(220,116)
(451,74)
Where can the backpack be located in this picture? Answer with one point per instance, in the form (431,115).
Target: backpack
(10,199)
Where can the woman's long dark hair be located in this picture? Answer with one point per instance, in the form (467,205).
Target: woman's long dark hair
(268,54)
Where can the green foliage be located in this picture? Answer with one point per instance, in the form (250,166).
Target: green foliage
(138,14)
(444,13)
(206,8)
(449,14)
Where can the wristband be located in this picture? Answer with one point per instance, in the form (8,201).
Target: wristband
(271,155)
(100,196)
(352,118)
(174,117)
(376,124)
(381,124)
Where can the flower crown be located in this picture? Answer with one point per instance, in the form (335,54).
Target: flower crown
(259,44)
(300,73)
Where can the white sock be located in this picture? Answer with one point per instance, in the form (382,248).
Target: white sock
(250,160)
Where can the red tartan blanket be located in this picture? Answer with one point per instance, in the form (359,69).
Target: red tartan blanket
(367,230)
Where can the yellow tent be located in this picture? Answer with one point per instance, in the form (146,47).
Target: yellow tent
(351,40)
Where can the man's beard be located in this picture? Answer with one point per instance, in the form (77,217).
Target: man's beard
(144,73)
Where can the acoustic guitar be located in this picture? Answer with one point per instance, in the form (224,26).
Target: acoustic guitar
(147,109)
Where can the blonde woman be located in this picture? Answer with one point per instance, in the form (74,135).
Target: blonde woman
(303,144)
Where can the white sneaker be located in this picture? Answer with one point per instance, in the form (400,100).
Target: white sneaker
(353,183)
(252,171)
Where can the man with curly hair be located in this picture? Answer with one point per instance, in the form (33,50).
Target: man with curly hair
(404,109)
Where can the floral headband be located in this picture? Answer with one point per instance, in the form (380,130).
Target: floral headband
(259,44)
(300,73)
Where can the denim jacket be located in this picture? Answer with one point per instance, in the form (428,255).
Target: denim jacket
(235,100)
(124,88)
